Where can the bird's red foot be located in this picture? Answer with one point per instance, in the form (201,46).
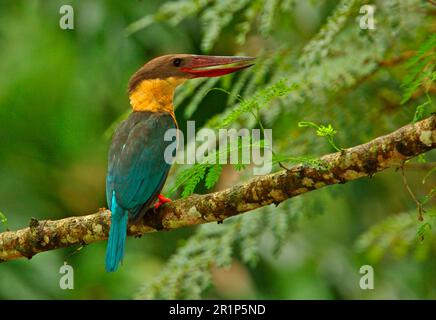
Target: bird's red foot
(161,201)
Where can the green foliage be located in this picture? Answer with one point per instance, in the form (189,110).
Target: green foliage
(260,100)
(215,16)
(420,111)
(210,169)
(267,17)
(398,236)
(421,69)
(244,27)
(318,48)
(322,131)
(213,175)
(191,178)
(171,12)
(248,81)
(428,174)
(187,274)
(3,220)
(429,196)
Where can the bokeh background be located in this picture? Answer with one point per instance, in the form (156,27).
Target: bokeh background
(62,90)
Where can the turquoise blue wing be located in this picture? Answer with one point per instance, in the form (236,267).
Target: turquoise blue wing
(137,167)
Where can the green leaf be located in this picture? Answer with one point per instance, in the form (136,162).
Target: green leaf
(433,170)
(194,179)
(420,111)
(429,196)
(303,124)
(239,166)
(322,131)
(260,100)
(326,131)
(420,68)
(423,229)
(3,219)
(213,175)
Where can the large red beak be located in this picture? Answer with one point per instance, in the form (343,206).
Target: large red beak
(215,66)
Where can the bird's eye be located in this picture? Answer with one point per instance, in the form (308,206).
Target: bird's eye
(177,62)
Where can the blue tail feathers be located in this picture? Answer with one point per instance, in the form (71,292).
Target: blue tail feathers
(117,236)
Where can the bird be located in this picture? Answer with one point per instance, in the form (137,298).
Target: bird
(137,169)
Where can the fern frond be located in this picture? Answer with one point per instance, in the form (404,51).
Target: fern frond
(420,111)
(267,17)
(250,235)
(420,68)
(171,12)
(216,18)
(247,82)
(397,236)
(318,47)
(245,25)
(287,5)
(282,221)
(187,273)
(3,220)
(260,100)
(194,179)
(209,167)
(260,72)
(213,175)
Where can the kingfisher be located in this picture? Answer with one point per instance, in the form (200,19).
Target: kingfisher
(137,168)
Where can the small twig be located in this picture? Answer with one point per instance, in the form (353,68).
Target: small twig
(419,205)
(68,256)
(257,117)
(281,165)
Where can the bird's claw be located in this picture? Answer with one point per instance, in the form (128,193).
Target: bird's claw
(161,200)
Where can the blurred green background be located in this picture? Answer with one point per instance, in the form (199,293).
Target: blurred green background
(60,91)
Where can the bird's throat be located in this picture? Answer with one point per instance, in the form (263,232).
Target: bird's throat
(155,95)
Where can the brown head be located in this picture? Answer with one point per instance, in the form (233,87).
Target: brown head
(152,87)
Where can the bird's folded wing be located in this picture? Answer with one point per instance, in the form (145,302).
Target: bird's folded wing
(137,166)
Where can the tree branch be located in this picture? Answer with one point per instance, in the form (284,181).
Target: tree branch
(364,160)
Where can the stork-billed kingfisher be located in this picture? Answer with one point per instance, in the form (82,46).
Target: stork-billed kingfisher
(137,169)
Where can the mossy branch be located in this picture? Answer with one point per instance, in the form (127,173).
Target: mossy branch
(349,164)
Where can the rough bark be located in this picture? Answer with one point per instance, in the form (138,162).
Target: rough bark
(363,160)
